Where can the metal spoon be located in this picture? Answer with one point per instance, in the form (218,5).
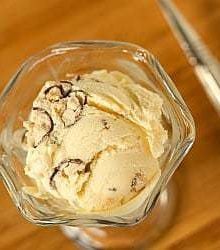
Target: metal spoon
(206,66)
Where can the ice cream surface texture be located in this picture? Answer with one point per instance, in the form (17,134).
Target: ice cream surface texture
(94,140)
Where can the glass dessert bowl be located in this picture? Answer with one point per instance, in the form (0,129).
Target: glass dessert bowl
(63,61)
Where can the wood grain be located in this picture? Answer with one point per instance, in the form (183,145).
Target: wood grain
(27,26)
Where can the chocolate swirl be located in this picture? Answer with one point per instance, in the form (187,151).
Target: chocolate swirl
(47,134)
(66,163)
(82,100)
(63,93)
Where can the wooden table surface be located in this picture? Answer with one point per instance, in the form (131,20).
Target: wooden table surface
(27,26)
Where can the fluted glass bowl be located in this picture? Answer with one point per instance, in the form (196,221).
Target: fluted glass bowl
(62,61)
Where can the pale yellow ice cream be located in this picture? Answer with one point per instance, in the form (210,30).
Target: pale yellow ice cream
(94,140)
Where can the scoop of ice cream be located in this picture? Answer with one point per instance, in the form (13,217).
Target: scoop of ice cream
(94,141)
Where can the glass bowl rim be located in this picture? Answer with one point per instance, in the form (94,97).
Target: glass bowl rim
(185,145)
